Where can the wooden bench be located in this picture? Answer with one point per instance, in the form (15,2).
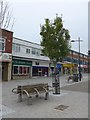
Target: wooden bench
(31,90)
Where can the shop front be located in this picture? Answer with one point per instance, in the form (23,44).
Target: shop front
(40,68)
(39,71)
(84,68)
(68,68)
(21,69)
(6,66)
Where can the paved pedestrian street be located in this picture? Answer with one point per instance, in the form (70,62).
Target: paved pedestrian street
(72,102)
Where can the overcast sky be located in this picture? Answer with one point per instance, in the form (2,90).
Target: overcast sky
(29,14)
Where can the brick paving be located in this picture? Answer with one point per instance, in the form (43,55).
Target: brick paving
(73,95)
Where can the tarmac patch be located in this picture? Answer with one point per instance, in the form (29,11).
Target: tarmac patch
(61,107)
(4,110)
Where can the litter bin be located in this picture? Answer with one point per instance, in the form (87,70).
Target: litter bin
(75,77)
(56,83)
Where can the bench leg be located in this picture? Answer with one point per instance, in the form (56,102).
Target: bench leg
(19,96)
(46,95)
(37,95)
(29,100)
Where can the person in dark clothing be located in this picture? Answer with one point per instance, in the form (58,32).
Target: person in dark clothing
(80,76)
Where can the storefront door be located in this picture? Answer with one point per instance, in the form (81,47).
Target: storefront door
(5,71)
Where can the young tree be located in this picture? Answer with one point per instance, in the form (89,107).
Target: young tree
(6,20)
(55,40)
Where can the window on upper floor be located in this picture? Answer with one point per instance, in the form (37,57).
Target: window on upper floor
(36,52)
(16,47)
(2,44)
(33,51)
(37,63)
(28,51)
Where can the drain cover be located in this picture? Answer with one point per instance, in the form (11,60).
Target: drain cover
(61,107)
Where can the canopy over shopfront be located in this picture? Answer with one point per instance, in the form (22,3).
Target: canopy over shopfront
(69,68)
(68,65)
(84,66)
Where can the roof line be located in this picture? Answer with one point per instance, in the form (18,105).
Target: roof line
(26,40)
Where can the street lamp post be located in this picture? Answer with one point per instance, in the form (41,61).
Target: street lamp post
(79,56)
(88,61)
(79,61)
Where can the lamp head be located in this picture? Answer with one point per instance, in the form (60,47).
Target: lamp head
(72,40)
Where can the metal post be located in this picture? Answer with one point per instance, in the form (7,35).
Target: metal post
(88,61)
(79,60)
(79,57)
(19,95)
(57,84)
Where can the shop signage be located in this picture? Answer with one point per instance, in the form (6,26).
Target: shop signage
(21,62)
(68,65)
(59,66)
(6,57)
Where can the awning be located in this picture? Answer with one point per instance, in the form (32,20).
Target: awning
(68,65)
(85,66)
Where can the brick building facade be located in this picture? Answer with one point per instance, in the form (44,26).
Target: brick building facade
(6,53)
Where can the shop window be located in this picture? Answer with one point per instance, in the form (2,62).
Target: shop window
(20,70)
(39,69)
(24,70)
(15,69)
(27,69)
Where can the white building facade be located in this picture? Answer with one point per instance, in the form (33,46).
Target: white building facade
(27,60)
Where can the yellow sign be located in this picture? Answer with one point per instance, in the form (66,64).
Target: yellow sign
(68,65)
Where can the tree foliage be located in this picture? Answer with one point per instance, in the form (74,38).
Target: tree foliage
(55,39)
